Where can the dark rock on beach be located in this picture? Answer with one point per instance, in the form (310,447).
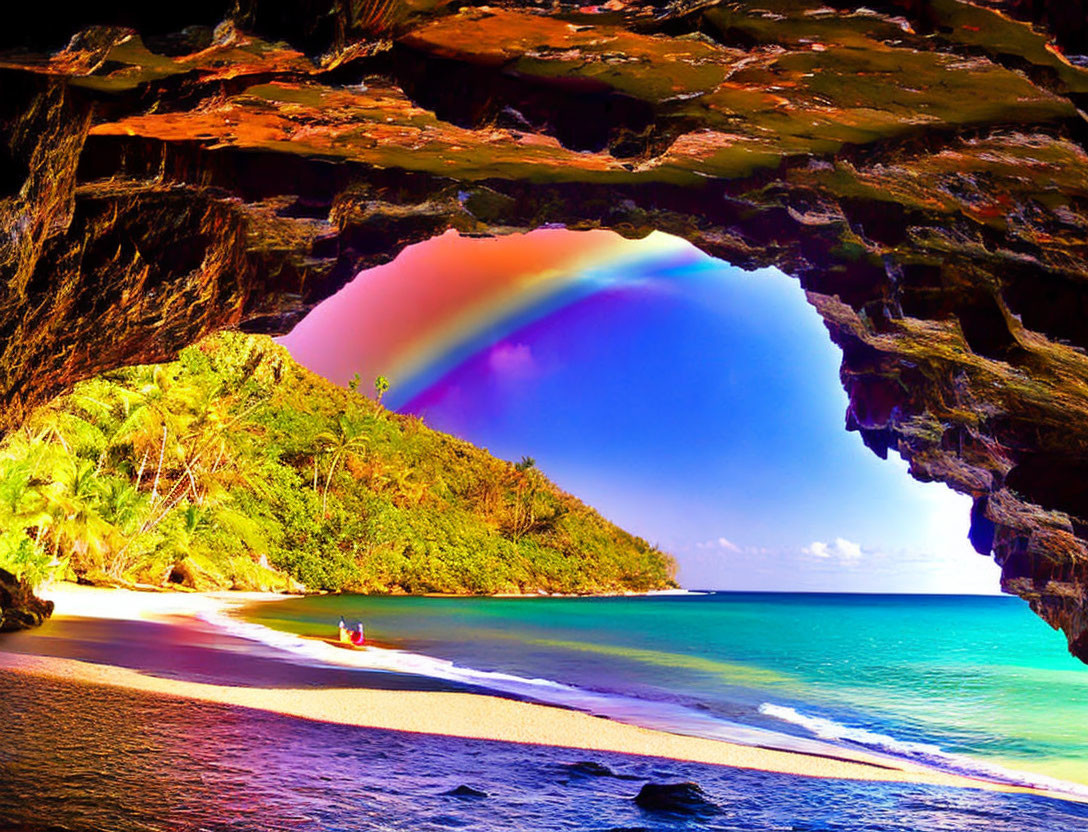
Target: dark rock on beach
(676,799)
(20,608)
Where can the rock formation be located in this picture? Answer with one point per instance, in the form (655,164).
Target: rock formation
(920,165)
(20,609)
(685,799)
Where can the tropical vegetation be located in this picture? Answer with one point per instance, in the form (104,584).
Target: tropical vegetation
(234,467)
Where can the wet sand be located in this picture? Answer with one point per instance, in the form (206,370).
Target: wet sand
(156,643)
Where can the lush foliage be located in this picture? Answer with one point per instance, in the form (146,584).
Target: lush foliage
(233,465)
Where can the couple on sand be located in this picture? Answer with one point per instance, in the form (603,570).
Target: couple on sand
(355,636)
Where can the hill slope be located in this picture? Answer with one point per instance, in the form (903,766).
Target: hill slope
(233,465)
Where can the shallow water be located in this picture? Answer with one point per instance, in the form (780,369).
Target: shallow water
(82,758)
(972,684)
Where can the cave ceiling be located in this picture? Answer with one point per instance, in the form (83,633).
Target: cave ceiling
(168,170)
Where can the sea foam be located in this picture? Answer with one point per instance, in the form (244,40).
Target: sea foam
(918,752)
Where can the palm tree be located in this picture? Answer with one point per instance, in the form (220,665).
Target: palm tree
(22,504)
(158,411)
(14,486)
(523,515)
(381,384)
(121,504)
(195,520)
(123,507)
(74,502)
(345,437)
(193,448)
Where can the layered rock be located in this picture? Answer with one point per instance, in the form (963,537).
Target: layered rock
(919,166)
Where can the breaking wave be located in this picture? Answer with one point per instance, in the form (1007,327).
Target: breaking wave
(917,752)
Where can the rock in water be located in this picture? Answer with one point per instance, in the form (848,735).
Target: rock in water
(675,798)
(465,791)
(20,608)
(588,768)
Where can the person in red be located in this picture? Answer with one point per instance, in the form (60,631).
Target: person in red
(357,637)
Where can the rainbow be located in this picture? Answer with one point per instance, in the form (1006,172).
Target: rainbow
(440,303)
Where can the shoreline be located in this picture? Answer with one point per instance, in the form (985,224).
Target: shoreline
(468,715)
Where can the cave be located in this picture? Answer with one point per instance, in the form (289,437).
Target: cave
(168,172)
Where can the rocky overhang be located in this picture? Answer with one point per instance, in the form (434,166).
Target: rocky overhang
(167,170)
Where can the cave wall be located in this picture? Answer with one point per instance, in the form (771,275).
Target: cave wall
(920,166)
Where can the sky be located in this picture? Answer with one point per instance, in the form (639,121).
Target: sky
(692,403)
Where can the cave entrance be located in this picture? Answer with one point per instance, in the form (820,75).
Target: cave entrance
(692,403)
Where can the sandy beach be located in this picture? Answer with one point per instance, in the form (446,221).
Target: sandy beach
(450,713)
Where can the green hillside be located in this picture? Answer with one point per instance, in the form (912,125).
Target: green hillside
(234,467)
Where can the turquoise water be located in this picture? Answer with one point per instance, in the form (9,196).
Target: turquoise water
(966,683)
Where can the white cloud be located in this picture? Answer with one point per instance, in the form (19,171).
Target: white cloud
(842,549)
(847,549)
(720,543)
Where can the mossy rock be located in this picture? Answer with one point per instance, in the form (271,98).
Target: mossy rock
(192,574)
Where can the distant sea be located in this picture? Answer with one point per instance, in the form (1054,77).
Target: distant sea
(977,685)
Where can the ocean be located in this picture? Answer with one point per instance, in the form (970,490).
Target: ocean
(976,685)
